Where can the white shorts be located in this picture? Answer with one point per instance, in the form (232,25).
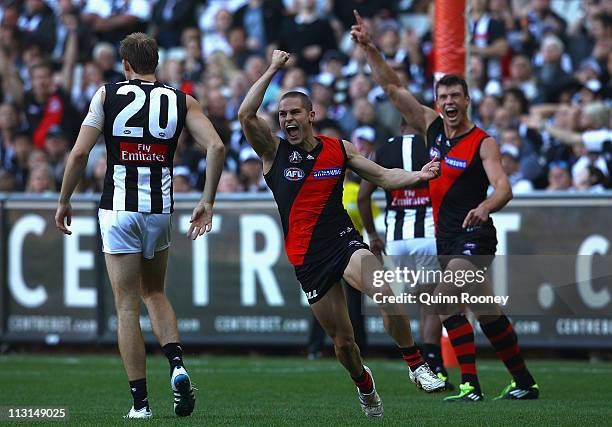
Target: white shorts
(125,232)
(415,254)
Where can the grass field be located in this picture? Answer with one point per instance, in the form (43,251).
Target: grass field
(265,391)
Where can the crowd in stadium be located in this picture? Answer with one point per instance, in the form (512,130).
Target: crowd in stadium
(539,76)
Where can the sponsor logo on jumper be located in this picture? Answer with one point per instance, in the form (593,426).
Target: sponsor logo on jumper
(295,157)
(312,294)
(294,174)
(410,198)
(469,245)
(326,173)
(309,157)
(355,243)
(345,231)
(456,163)
(135,152)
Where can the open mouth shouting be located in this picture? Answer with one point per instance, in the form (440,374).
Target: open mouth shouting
(292,131)
(451,112)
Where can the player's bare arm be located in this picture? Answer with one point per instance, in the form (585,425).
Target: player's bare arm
(415,113)
(75,167)
(364,203)
(389,179)
(77,160)
(502,194)
(257,132)
(205,135)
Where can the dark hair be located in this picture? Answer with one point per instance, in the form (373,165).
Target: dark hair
(520,95)
(140,51)
(41,64)
(452,80)
(305,99)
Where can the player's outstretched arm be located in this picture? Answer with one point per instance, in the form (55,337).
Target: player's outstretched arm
(502,194)
(205,135)
(257,132)
(75,167)
(417,115)
(364,203)
(389,179)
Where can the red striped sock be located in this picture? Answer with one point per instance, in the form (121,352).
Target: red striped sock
(505,342)
(461,336)
(412,357)
(364,382)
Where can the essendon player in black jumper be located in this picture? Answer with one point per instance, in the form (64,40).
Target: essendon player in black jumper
(305,173)
(141,120)
(465,234)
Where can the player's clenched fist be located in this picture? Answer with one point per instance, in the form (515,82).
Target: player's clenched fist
(279,58)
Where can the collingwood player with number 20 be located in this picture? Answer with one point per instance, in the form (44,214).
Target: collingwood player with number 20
(141,120)
(305,173)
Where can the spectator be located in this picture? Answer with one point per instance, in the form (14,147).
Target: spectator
(478,82)
(553,68)
(521,77)
(343,10)
(307,36)
(559,177)
(37,25)
(112,20)
(193,63)
(46,106)
(171,17)
(40,180)
(7,181)
(529,166)
(261,21)
(592,180)
(540,21)
(486,112)
(56,147)
(9,126)
(488,38)
(99,173)
(238,43)
(251,172)
(228,183)
(181,180)
(510,160)
(105,58)
(239,86)
(216,41)
(19,166)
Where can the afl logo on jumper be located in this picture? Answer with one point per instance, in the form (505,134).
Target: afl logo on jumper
(434,152)
(294,174)
(295,157)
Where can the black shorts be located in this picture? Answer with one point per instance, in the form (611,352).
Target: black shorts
(318,275)
(477,247)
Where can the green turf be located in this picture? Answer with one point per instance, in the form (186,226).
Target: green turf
(265,391)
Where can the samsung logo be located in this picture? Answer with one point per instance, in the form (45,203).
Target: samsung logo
(456,163)
(294,174)
(327,173)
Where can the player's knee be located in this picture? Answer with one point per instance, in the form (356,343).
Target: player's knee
(344,344)
(151,295)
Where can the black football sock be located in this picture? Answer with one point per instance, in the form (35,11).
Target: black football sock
(174,353)
(138,388)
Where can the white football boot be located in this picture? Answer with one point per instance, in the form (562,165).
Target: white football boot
(425,379)
(140,413)
(184,400)
(371,405)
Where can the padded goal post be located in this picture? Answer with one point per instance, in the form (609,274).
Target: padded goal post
(449,38)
